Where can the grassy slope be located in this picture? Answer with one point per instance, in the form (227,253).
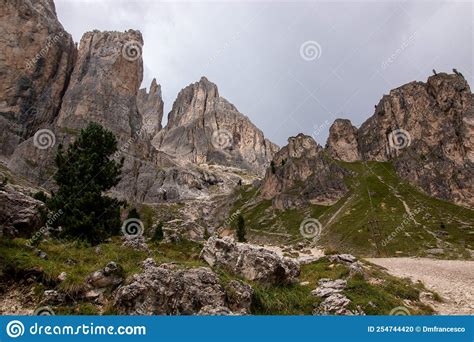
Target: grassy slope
(294,299)
(372,220)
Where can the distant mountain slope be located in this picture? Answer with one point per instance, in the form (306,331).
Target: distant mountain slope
(381,215)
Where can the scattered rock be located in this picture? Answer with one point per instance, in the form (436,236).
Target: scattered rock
(249,261)
(239,296)
(136,242)
(62,276)
(41,254)
(110,276)
(435,251)
(54,297)
(210,310)
(342,258)
(328,287)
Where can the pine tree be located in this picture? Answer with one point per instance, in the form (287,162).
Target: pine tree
(85,172)
(273,167)
(158,234)
(241,232)
(133,213)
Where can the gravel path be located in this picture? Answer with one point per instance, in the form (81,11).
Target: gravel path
(451,279)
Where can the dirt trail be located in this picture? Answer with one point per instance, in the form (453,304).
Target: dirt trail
(451,279)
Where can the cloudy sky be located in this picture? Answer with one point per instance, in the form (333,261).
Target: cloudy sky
(291,67)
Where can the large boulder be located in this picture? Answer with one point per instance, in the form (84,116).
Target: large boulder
(19,212)
(169,290)
(250,261)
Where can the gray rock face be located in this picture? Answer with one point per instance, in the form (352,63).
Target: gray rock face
(102,88)
(19,212)
(204,128)
(342,141)
(104,85)
(301,174)
(167,290)
(37,58)
(249,261)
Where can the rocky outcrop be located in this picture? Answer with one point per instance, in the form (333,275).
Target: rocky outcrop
(334,301)
(19,212)
(102,88)
(426,129)
(300,174)
(328,287)
(37,57)
(205,128)
(342,141)
(250,261)
(169,290)
(150,105)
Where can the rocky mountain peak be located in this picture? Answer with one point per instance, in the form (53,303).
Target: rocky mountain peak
(105,82)
(150,105)
(205,128)
(300,174)
(193,102)
(342,141)
(426,129)
(300,146)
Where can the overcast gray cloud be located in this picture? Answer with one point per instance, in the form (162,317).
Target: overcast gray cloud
(253,52)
